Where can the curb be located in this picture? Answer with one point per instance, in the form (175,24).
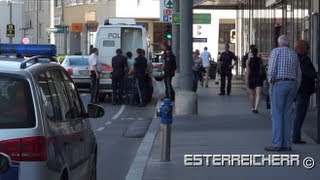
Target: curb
(140,161)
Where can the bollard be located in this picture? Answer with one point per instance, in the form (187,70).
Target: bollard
(165,114)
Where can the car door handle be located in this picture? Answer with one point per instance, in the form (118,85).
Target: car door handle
(66,143)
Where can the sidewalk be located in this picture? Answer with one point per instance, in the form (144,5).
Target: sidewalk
(225,125)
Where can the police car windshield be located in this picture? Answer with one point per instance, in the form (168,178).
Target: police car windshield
(16,107)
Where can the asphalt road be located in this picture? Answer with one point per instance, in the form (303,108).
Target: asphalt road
(119,134)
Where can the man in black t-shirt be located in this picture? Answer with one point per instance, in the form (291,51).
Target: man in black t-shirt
(119,66)
(226,68)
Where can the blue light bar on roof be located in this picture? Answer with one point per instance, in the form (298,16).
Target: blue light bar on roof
(28,49)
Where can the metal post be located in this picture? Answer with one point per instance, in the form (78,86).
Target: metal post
(165,142)
(52,38)
(176,36)
(10,19)
(37,6)
(318,78)
(186,41)
(64,27)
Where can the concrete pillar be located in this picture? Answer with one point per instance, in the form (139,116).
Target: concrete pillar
(186,99)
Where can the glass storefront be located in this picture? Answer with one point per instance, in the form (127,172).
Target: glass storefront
(262,25)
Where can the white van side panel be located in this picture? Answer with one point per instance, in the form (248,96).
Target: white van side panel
(108,41)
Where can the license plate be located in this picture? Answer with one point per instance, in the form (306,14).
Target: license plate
(84,72)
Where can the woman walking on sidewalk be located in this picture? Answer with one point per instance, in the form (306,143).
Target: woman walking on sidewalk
(254,79)
(197,63)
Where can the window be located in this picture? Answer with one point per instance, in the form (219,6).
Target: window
(16,105)
(108,43)
(75,102)
(47,98)
(79,61)
(62,95)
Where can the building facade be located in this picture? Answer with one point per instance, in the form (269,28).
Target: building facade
(17,21)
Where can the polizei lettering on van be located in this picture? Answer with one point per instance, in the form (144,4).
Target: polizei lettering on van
(113,35)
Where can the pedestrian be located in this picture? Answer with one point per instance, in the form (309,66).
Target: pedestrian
(197,63)
(307,88)
(130,80)
(119,69)
(284,74)
(206,58)
(247,56)
(169,67)
(95,69)
(225,63)
(140,68)
(255,79)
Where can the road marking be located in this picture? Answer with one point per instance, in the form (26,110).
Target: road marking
(100,129)
(108,123)
(119,112)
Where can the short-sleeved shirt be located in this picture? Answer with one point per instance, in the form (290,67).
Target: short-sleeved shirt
(205,56)
(119,64)
(226,59)
(140,66)
(92,60)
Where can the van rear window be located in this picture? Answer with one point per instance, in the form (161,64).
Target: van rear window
(109,43)
(16,107)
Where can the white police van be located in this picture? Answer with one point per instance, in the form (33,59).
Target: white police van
(45,131)
(117,33)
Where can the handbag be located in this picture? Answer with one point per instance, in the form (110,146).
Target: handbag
(262,71)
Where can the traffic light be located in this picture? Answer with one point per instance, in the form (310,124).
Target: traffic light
(168,32)
(233,36)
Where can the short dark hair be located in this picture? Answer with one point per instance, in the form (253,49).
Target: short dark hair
(252,46)
(93,50)
(227,45)
(139,51)
(129,54)
(254,51)
(119,51)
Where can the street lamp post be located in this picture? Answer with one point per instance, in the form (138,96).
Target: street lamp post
(10,18)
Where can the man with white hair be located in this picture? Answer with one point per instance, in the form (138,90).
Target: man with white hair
(284,75)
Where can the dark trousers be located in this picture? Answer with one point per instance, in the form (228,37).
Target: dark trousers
(169,90)
(117,89)
(302,103)
(224,76)
(196,77)
(141,89)
(94,88)
(132,90)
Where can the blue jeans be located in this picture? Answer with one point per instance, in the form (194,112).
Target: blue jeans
(282,95)
(302,102)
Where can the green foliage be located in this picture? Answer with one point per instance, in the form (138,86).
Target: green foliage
(61,57)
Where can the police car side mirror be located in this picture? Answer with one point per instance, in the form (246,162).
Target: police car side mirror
(95,111)
(4,163)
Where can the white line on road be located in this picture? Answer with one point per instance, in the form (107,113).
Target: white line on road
(108,123)
(119,112)
(100,129)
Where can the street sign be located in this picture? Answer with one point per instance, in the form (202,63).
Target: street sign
(60,29)
(52,30)
(10,30)
(200,40)
(25,40)
(166,10)
(199,18)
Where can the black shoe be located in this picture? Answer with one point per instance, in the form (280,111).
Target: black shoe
(298,142)
(272,148)
(255,111)
(221,94)
(207,86)
(285,149)
(228,94)
(142,105)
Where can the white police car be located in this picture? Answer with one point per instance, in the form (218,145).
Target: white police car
(45,133)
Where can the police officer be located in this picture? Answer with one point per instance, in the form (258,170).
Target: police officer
(169,66)
(226,66)
(140,67)
(119,66)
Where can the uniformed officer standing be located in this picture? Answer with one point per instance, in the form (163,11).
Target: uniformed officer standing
(226,68)
(169,67)
(119,66)
(140,67)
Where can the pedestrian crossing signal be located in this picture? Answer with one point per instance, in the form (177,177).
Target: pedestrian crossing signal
(168,32)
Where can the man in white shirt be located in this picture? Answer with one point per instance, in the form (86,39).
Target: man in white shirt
(206,58)
(94,66)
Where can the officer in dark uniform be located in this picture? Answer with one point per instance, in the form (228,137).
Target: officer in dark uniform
(225,69)
(169,66)
(119,66)
(140,67)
